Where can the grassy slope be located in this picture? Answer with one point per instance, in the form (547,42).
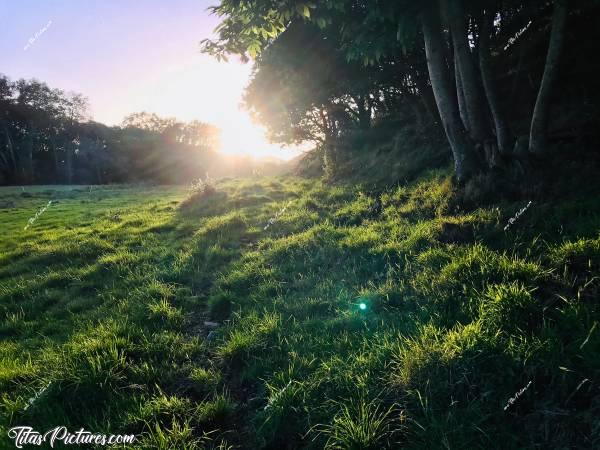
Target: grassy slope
(104,298)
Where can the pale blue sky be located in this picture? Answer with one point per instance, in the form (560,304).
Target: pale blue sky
(128,56)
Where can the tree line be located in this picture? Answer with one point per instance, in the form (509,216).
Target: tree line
(501,80)
(47,137)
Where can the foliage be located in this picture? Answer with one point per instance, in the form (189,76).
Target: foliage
(46,137)
(322,68)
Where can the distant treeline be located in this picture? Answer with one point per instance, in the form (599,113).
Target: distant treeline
(45,138)
(500,81)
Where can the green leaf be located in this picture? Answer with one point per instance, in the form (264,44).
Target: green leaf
(303,10)
(254,49)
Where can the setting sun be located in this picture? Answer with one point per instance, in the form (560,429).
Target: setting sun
(203,88)
(155,67)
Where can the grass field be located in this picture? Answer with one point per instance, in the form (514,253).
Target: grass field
(340,324)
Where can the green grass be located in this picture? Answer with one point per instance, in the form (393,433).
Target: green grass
(104,299)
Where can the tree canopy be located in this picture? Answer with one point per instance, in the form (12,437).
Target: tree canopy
(321,68)
(46,137)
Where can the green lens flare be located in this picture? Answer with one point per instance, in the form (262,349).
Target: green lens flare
(362,306)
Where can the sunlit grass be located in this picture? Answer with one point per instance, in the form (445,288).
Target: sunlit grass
(337,327)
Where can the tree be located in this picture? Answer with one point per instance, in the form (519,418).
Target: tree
(465,159)
(46,137)
(8,161)
(298,104)
(539,120)
(369,32)
(457,38)
(503,137)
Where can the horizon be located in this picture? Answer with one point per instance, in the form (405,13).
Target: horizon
(132,58)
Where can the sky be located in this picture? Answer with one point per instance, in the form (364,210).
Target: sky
(129,56)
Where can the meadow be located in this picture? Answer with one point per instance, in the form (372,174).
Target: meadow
(284,313)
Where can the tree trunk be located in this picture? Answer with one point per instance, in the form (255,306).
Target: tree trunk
(460,95)
(27,163)
(11,150)
(69,163)
(465,158)
(502,132)
(330,150)
(56,162)
(539,120)
(97,152)
(468,81)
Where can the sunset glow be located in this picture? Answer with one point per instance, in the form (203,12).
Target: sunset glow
(135,57)
(176,91)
